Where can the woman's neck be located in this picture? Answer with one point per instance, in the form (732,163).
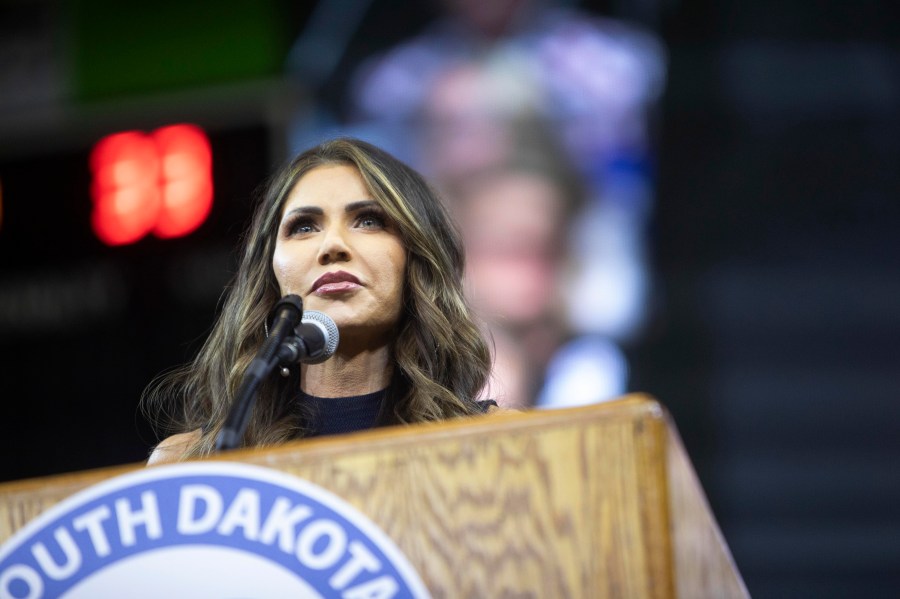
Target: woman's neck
(348,373)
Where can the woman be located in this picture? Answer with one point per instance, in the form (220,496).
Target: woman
(359,236)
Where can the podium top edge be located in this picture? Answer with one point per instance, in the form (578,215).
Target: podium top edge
(634,406)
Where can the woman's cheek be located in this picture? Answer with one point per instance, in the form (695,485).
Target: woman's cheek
(283,273)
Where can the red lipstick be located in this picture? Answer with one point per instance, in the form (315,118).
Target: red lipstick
(335,282)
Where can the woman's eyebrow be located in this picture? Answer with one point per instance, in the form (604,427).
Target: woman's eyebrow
(317,211)
(355,206)
(305,210)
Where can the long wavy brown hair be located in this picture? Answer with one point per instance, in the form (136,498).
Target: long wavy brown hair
(440,359)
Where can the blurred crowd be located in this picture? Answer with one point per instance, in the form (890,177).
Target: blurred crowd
(535,123)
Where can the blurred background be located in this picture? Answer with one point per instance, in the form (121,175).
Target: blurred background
(698,200)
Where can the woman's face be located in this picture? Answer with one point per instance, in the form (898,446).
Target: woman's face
(336,249)
(512,225)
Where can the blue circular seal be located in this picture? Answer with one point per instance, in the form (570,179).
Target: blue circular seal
(205,529)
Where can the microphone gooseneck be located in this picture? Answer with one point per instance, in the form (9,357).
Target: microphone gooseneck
(288,312)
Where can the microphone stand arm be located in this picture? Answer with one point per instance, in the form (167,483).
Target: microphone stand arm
(289,311)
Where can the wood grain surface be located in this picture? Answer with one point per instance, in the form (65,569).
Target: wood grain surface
(568,503)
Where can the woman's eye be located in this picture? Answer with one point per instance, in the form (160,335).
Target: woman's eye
(371,221)
(300,226)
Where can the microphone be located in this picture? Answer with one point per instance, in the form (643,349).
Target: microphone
(314,340)
(288,312)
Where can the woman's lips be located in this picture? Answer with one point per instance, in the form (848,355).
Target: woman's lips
(335,282)
(339,287)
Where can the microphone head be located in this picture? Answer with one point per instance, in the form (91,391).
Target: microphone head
(330,331)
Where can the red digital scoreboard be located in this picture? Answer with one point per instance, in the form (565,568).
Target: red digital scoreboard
(156,183)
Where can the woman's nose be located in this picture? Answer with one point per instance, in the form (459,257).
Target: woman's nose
(334,247)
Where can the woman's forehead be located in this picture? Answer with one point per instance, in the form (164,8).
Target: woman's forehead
(326,184)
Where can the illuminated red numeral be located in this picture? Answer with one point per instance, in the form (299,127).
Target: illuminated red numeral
(186,179)
(160,183)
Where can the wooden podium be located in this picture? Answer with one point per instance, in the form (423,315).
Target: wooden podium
(599,501)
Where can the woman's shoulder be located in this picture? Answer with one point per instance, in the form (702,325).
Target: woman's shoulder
(172,448)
